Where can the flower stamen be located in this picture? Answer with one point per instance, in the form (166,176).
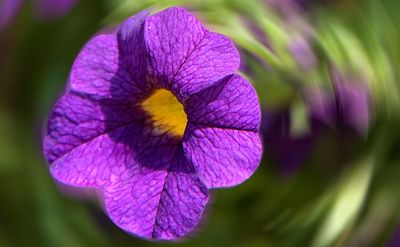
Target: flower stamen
(166,112)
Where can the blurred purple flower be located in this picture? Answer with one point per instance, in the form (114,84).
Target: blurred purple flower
(300,32)
(8,11)
(154,117)
(46,9)
(51,9)
(287,8)
(347,107)
(346,110)
(395,239)
(302,52)
(288,151)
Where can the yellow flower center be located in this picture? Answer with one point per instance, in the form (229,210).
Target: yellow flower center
(166,112)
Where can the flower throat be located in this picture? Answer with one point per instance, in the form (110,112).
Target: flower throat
(166,112)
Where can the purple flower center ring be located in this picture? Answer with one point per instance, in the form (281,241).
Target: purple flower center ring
(153,117)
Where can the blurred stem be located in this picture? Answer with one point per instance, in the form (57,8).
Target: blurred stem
(248,43)
(229,23)
(351,192)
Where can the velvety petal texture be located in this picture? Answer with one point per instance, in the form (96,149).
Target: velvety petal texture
(230,103)
(98,71)
(222,157)
(158,204)
(96,162)
(133,53)
(103,132)
(77,119)
(183,55)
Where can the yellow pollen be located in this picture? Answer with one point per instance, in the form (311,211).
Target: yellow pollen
(166,112)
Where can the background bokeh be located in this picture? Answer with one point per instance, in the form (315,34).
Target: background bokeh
(327,74)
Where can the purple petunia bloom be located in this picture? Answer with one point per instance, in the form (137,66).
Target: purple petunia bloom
(154,117)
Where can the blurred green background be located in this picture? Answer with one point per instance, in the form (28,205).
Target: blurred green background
(344,193)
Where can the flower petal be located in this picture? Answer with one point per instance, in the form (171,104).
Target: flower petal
(222,157)
(158,204)
(230,103)
(149,187)
(97,162)
(185,57)
(132,48)
(182,202)
(98,71)
(98,159)
(77,119)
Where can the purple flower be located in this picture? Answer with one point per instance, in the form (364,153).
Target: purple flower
(154,117)
(47,9)
(346,110)
(302,52)
(288,151)
(287,8)
(8,11)
(51,9)
(394,240)
(348,107)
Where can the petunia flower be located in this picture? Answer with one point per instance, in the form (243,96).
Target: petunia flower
(154,117)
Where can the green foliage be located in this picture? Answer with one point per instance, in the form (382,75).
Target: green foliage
(333,200)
